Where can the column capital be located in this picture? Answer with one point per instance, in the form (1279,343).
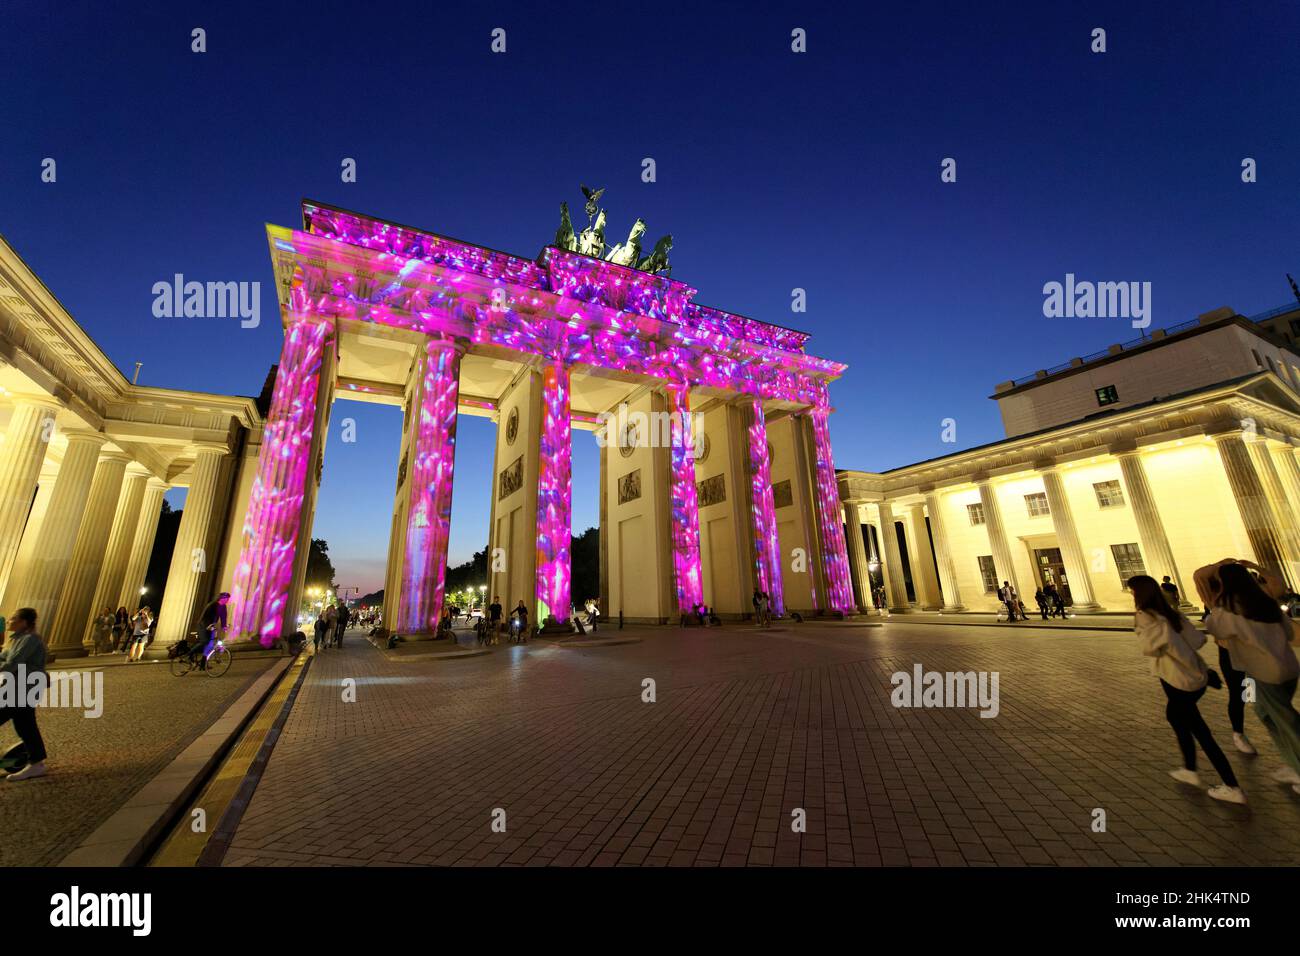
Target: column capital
(35,401)
(1046,465)
(116,456)
(136,470)
(209,447)
(87,436)
(1125,448)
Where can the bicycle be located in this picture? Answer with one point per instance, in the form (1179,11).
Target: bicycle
(186,657)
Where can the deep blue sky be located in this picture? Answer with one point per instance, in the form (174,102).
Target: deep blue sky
(775,170)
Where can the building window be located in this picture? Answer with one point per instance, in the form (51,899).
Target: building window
(1128,562)
(1107,395)
(976,512)
(988,573)
(1037,505)
(1109,494)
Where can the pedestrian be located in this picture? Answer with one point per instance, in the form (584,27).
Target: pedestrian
(331,620)
(1007,594)
(1171,641)
(24,649)
(318,632)
(121,629)
(1170,591)
(494,619)
(341,625)
(141,622)
(1043,602)
(1247,619)
(767,609)
(1058,603)
(757,601)
(101,632)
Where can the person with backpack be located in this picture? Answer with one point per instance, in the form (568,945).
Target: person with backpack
(341,625)
(26,650)
(1247,621)
(1171,641)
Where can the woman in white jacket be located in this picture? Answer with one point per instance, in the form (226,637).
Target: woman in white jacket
(1248,621)
(1171,641)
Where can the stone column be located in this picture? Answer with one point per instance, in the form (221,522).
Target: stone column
(684,507)
(1002,562)
(141,546)
(1082,593)
(943,554)
(606,528)
(40,508)
(1284,518)
(834,556)
(1288,469)
(189,574)
(26,441)
(1159,557)
(260,606)
(923,563)
(554,498)
(42,583)
(117,552)
(432,460)
(858,570)
(70,622)
(893,563)
(767,546)
(1261,525)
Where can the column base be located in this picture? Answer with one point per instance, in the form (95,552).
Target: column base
(952,609)
(931,607)
(1092,608)
(64,653)
(554,625)
(904,609)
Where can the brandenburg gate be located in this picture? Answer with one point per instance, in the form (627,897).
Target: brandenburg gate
(577,339)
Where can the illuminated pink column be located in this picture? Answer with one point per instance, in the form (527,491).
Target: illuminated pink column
(433,458)
(835,559)
(554,495)
(264,574)
(767,548)
(688,574)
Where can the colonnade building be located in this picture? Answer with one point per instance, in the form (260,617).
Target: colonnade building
(85,458)
(1156,456)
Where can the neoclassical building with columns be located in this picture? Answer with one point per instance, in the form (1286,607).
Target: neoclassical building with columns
(85,458)
(1155,456)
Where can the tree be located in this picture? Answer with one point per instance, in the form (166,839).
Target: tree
(584,554)
(320,571)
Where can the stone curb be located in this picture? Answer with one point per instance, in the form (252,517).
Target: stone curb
(123,838)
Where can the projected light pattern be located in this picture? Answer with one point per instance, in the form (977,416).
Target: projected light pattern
(688,573)
(264,575)
(835,559)
(554,496)
(566,309)
(433,456)
(767,548)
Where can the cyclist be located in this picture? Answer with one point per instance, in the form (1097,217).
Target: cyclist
(212,627)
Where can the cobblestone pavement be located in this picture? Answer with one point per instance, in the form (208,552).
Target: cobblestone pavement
(747,727)
(95,764)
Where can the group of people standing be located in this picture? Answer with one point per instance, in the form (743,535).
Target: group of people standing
(762,602)
(118,631)
(330,625)
(1050,601)
(1254,637)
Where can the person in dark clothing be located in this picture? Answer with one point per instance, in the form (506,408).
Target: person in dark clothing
(320,627)
(521,621)
(212,627)
(1170,591)
(1043,601)
(494,618)
(24,649)
(341,625)
(121,629)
